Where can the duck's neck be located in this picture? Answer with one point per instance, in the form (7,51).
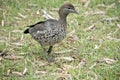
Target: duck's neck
(63,19)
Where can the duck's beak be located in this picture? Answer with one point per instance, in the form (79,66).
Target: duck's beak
(75,12)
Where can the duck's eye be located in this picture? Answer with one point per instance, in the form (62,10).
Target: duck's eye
(69,8)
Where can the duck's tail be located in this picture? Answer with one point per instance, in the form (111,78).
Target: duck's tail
(26,31)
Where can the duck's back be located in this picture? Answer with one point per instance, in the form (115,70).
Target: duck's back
(48,32)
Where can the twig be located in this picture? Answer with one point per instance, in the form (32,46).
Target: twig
(46,15)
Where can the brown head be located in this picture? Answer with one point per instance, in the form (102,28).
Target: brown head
(66,9)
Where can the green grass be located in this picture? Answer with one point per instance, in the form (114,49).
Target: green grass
(90,48)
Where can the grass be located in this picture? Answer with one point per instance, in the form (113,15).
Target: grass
(90,51)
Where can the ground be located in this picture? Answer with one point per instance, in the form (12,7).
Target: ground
(90,51)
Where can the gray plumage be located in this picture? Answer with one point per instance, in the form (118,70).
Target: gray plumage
(51,31)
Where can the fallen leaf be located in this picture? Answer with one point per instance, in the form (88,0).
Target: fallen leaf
(67,67)
(22,37)
(17,73)
(73,38)
(40,72)
(2,23)
(9,71)
(65,51)
(90,28)
(99,13)
(24,72)
(118,26)
(98,46)
(13,57)
(59,70)
(82,63)
(93,65)
(108,60)
(1,59)
(71,33)
(3,52)
(37,12)
(17,44)
(87,4)
(93,75)
(94,13)
(15,31)
(61,76)
(21,15)
(111,19)
(46,15)
(43,63)
(66,58)
(17,18)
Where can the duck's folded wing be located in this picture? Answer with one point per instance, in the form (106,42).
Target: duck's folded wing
(35,27)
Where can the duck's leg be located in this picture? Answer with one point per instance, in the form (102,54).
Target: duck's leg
(50,49)
(46,54)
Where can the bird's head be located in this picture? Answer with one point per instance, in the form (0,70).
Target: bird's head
(66,9)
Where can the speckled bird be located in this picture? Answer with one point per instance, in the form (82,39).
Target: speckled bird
(51,31)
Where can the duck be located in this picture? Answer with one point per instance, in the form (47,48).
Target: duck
(51,31)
